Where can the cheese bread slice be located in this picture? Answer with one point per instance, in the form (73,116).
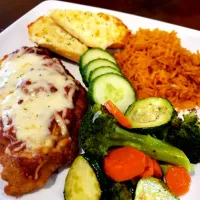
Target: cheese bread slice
(45,33)
(93,29)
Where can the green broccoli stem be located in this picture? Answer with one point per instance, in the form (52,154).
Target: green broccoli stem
(153,147)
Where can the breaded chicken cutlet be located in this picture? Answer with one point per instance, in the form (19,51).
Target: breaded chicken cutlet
(41,109)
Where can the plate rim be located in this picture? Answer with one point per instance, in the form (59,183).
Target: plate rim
(47,2)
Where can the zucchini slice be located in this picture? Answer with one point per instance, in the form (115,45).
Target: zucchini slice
(152,189)
(94,64)
(81,182)
(101,177)
(112,87)
(102,70)
(150,112)
(92,54)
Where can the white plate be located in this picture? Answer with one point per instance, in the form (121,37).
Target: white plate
(16,36)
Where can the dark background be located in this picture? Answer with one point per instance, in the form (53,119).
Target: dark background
(182,12)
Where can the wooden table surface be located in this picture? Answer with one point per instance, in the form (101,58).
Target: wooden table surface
(182,12)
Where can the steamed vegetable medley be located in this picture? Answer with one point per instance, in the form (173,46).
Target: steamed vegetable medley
(133,149)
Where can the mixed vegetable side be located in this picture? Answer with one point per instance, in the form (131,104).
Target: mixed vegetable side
(133,149)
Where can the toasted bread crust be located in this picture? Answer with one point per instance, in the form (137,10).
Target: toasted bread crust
(45,33)
(93,29)
(25,174)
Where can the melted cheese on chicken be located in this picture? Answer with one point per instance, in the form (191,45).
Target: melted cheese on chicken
(28,102)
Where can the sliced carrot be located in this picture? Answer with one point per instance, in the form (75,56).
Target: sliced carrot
(157,170)
(117,114)
(124,163)
(149,170)
(178,180)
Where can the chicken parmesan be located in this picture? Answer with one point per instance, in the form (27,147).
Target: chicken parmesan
(41,108)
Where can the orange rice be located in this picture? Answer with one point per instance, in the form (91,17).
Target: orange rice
(157,65)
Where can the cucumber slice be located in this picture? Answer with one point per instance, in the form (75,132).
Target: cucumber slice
(112,87)
(150,112)
(92,54)
(102,70)
(94,65)
(81,182)
(153,188)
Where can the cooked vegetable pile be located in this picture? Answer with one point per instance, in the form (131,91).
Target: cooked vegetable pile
(135,150)
(99,132)
(124,162)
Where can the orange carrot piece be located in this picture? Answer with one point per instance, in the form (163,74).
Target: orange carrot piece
(178,180)
(124,163)
(149,170)
(117,114)
(157,170)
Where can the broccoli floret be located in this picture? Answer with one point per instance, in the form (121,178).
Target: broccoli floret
(118,191)
(185,135)
(99,132)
